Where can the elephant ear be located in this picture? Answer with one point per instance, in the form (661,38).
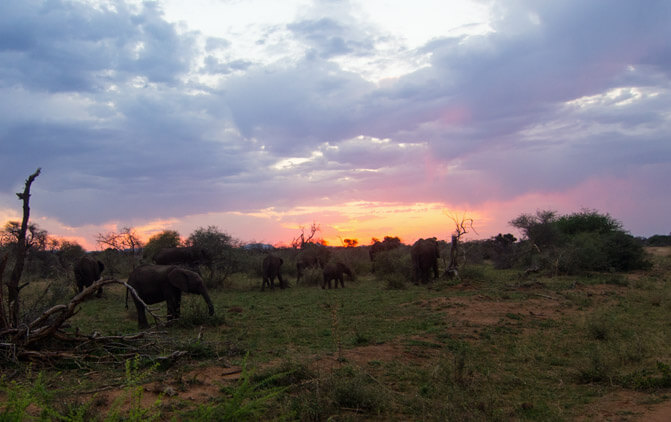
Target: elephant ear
(178,278)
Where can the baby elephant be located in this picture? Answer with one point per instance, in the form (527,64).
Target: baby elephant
(335,271)
(271,269)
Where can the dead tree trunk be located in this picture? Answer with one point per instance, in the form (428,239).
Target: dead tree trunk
(13,287)
(453,266)
(4,323)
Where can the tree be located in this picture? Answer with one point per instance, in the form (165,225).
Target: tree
(126,242)
(461,226)
(165,239)
(539,229)
(583,241)
(68,253)
(219,245)
(300,241)
(36,238)
(350,243)
(11,317)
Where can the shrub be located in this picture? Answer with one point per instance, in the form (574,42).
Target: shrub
(624,252)
(393,262)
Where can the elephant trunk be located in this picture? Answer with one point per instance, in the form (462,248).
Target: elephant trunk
(210,306)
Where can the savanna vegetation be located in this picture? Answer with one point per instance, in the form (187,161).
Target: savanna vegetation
(569,321)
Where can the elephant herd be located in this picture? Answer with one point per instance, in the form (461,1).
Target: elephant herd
(175,272)
(331,271)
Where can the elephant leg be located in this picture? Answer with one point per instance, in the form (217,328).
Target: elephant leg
(141,316)
(178,304)
(264,282)
(279,278)
(173,303)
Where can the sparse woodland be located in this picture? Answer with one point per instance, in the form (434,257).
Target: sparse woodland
(570,319)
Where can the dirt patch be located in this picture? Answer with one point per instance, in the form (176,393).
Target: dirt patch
(659,250)
(197,386)
(364,356)
(625,406)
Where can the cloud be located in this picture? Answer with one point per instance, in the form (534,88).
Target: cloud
(135,118)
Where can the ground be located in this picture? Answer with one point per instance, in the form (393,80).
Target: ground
(464,310)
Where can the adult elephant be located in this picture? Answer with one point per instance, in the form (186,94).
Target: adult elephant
(271,269)
(424,255)
(191,257)
(158,283)
(335,271)
(311,256)
(87,270)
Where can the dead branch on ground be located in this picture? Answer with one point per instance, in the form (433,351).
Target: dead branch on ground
(26,340)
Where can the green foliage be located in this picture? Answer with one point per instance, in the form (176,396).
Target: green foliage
(194,313)
(394,263)
(348,388)
(220,247)
(587,221)
(473,273)
(69,253)
(165,239)
(658,240)
(20,397)
(579,242)
(133,392)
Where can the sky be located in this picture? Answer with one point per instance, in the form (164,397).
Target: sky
(369,118)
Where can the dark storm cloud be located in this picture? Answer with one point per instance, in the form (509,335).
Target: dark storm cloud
(134,146)
(294,110)
(68,46)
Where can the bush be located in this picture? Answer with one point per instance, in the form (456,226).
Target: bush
(395,262)
(625,253)
(580,242)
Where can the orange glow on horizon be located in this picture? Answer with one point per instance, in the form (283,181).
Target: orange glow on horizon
(340,225)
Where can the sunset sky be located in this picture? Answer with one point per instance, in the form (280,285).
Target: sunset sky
(367,117)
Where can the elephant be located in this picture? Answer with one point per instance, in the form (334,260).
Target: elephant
(335,271)
(158,283)
(424,255)
(87,270)
(190,257)
(312,255)
(271,269)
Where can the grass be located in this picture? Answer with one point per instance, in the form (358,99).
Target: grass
(374,352)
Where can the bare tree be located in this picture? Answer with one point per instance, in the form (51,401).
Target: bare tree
(462,225)
(300,241)
(126,241)
(13,287)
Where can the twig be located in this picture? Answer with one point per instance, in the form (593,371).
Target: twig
(546,296)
